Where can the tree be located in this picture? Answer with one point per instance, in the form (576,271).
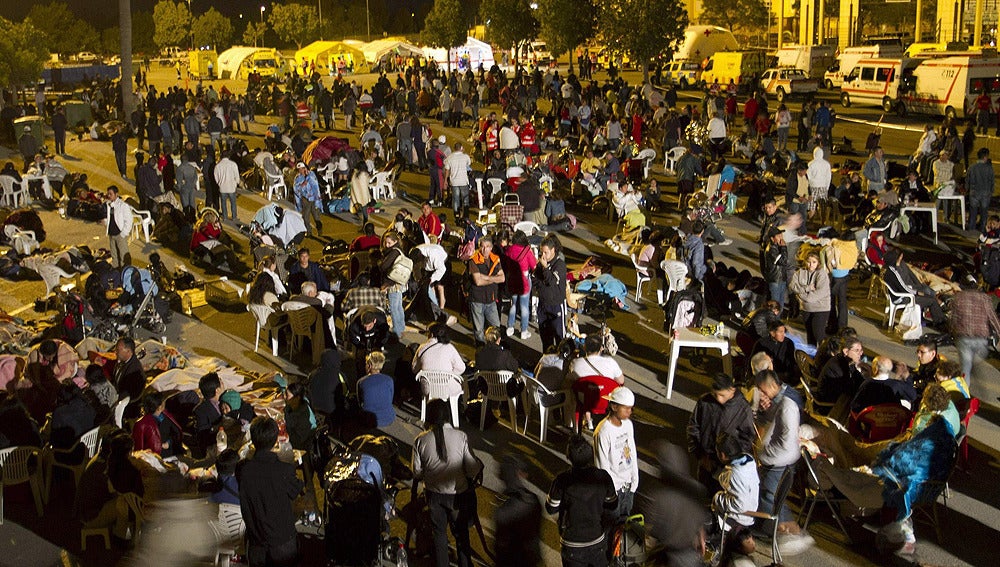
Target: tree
(64,32)
(565,24)
(641,28)
(739,15)
(111,40)
(509,22)
(254,33)
(445,27)
(22,53)
(173,23)
(294,23)
(142,32)
(212,28)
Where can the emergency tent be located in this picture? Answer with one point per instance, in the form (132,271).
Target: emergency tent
(379,49)
(238,62)
(331,56)
(469,56)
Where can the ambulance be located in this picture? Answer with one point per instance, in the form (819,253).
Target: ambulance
(849,57)
(949,86)
(876,82)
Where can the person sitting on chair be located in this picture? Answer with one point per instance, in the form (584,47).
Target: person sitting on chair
(883,388)
(901,280)
(781,349)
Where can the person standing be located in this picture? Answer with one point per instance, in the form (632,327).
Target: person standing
(392,253)
(519,285)
(797,191)
(811,284)
(980,181)
(518,519)
(720,411)
(582,496)
(118,221)
(615,450)
(227,176)
(777,416)
(550,280)
(688,167)
(119,144)
(28,145)
(972,321)
(457,167)
(306,188)
(820,175)
(187,183)
(841,257)
(875,170)
(486,273)
(443,461)
(59,124)
(268,487)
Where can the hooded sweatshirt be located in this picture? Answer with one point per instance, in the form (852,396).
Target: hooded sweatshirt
(819,173)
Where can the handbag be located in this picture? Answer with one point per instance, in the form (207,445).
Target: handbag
(910,326)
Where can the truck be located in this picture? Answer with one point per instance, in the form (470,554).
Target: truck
(683,73)
(876,81)
(203,64)
(739,68)
(949,86)
(849,57)
(785,82)
(702,42)
(813,59)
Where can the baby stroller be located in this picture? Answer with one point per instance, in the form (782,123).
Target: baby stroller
(359,507)
(273,225)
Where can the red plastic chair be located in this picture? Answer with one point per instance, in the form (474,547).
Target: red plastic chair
(967,407)
(589,392)
(879,423)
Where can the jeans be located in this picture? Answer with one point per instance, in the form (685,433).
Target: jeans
(769,478)
(450,510)
(713,233)
(970,351)
(591,556)
(778,292)
(310,213)
(405,147)
(187,198)
(979,209)
(229,198)
(783,138)
(625,500)
(396,312)
(459,198)
(838,293)
(481,312)
(520,303)
(120,161)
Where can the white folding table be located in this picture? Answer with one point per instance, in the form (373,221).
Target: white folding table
(930,208)
(693,338)
(961,204)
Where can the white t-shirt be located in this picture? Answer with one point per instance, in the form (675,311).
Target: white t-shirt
(437,260)
(593,365)
(614,452)
(716,128)
(457,165)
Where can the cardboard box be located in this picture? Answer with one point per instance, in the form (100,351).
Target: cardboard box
(191,298)
(224,292)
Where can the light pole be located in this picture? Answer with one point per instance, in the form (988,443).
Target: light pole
(319,6)
(191,24)
(368,20)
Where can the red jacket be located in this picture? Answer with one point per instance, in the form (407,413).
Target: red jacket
(207,231)
(430,224)
(528,135)
(146,433)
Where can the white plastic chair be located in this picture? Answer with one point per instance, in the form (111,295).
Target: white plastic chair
(496,185)
(14,194)
(142,220)
(275,185)
(647,156)
(261,314)
(641,276)
(896,302)
(118,412)
(229,530)
(496,391)
(14,470)
(91,444)
(533,393)
(438,389)
(381,186)
(676,272)
(670,159)
(527,227)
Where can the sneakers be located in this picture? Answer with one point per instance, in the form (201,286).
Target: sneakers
(510,331)
(451,320)
(794,544)
(525,335)
(726,242)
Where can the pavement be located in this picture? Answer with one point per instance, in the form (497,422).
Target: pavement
(973,509)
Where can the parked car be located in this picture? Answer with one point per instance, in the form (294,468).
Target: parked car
(87,57)
(784,82)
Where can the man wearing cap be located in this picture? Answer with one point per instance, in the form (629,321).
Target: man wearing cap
(306,189)
(718,411)
(875,170)
(615,450)
(980,181)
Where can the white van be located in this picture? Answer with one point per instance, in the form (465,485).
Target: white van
(813,59)
(949,86)
(876,81)
(533,52)
(849,57)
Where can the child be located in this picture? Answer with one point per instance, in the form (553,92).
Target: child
(949,376)
(739,494)
(228,488)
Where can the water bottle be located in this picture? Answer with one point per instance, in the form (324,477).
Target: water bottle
(221,441)
(720,330)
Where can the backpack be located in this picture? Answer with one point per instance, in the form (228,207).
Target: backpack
(74,315)
(685,309)
(990,267)
(401,270)
(628,549)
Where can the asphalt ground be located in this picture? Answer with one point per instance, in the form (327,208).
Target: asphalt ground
(969,522)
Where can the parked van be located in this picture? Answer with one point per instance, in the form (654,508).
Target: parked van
(949,86)
(849,57)
(685,74)
(533,52)
(702,42)
(813,59)
(876,81)
(740,68)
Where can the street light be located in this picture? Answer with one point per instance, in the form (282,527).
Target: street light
(368,20)
(261,29)
(191,24)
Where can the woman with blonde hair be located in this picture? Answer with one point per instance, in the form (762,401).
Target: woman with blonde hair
(811,283)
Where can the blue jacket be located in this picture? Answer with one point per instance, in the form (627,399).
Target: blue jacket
(375,393)
(694,256)
(906,467)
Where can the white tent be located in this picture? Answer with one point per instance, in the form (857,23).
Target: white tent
(239,61)
(375,50)
(469,56)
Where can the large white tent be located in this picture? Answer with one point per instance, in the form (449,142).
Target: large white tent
(376,50)
(239,61)
(469,56)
